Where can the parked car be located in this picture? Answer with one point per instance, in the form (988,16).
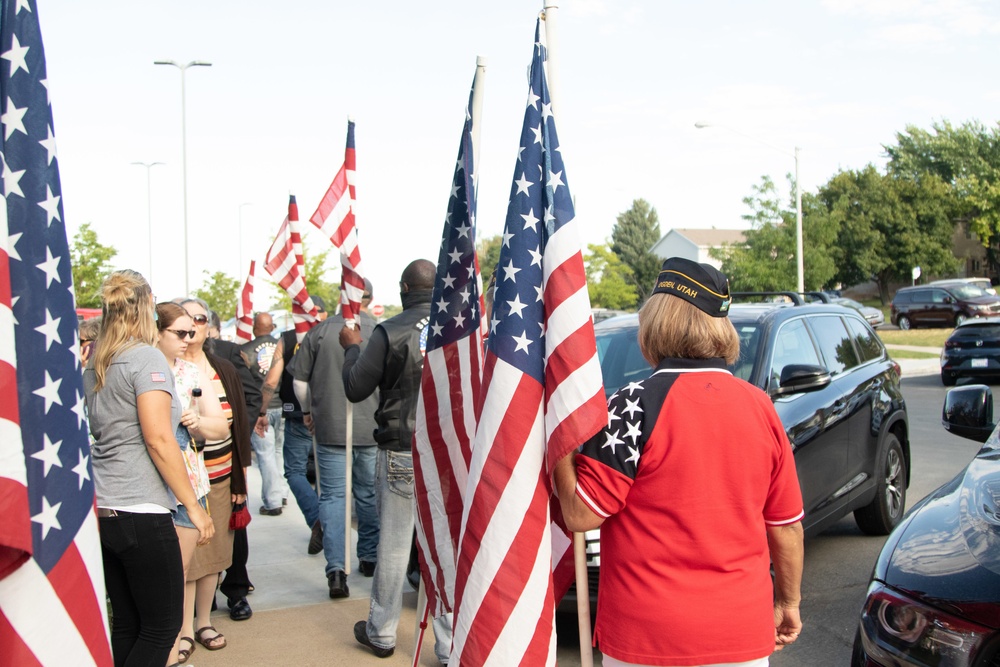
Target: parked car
(944,305)
(934,596)
(836,391)
(983,283)
(972,350)
(874,316)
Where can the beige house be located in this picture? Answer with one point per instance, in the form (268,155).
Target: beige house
(695,244)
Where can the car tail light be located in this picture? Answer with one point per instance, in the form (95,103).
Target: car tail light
(898,369)
(894,627)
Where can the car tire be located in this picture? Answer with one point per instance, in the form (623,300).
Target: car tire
(904,323)
(886,510)
(948,379)
(959,319)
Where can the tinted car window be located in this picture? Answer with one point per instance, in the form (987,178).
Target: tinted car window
(621,360)
(920,296)
(749,342)
(938,296)
(835,343)
(867,342)
(903,297)
(792,345)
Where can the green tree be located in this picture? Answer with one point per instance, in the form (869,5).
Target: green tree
(488,252)
(766,261)
(316,269)
(608,279)
(634,234)
(91,264)
(221,293)
(888,225)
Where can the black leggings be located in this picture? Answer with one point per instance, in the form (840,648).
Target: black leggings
(145,580)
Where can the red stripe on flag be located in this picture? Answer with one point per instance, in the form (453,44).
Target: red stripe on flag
(565,281)
(15,530)
(8,408)
(71,582)
(13,650)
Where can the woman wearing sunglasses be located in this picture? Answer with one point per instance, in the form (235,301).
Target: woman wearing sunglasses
(201,419)
(226,459)
(139,474)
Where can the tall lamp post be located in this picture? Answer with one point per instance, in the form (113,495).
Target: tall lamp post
(240,271)
(149,212)
(183,69)
(799,267)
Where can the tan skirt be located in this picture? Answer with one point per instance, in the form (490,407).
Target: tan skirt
(217,555)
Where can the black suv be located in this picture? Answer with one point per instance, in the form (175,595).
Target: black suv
(942,305)
(836,391)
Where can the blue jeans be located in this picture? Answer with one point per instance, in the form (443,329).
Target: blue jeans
(298,444)
(272,486)
(331,461)
(394,495)
(145,581)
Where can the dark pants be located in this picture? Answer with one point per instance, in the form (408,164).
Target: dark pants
(236,583)
(145,580)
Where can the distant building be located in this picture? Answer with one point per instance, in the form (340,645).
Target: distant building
(695,244)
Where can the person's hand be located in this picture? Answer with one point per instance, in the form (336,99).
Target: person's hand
(238,498)
(349,337)
(203,522)
(787,625)
(190,420)
(260,428)
(307,419)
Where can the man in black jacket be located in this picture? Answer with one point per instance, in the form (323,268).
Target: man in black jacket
(393,362)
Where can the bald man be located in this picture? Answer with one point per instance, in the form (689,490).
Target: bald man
(393,362)
(258,354)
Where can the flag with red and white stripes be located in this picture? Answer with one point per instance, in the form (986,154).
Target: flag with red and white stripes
(52,597)
(542,398)
(284,261)
(244,309)
(335,218)
(449,388)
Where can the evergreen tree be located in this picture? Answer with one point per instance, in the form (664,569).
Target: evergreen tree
(632,237)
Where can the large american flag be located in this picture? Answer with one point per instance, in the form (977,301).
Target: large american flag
(244,309)
(542,398)
(449,387)
(52,599)
(335,217)
(284,261)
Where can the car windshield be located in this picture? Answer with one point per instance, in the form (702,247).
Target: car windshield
(967,291)
(622,361)
(850,303)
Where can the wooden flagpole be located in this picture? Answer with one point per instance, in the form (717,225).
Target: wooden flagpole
(550,15)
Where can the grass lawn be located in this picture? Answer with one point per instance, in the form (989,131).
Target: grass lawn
(921,337)
(909,354)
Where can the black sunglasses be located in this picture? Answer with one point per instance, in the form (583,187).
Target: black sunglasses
(200,319)
(183,334)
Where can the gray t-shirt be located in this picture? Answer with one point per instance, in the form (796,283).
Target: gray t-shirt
(124,473)
(320,362)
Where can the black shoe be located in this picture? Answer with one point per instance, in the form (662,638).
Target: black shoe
(266,512)
(316,541)
(338,584)
(367,568)
(361,634)
(284,502)
(239,609)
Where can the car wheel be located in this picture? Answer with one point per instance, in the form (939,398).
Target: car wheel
(948,379)
(884,512)
(904,323)
(959,319)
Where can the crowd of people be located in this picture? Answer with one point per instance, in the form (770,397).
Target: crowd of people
(175,414)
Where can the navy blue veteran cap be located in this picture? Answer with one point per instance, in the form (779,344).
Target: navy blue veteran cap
(702,285)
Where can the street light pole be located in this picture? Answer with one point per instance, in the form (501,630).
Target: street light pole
(149,212)
(799,266)
(183,69)
(240,271)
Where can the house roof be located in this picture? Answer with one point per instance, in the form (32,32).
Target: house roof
(712,238)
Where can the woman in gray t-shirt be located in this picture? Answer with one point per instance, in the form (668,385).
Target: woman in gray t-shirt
(133,413)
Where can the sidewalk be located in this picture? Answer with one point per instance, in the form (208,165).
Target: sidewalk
(916,367)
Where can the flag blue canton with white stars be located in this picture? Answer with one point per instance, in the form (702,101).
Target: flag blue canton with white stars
(455,307)
(49,380)
(540,203)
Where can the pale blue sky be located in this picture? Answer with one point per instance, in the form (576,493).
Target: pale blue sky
(836,77)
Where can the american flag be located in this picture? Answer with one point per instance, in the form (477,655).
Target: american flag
(244,309)
(449,387)
(284,261)
(335,217)
(542,398)
(52,599)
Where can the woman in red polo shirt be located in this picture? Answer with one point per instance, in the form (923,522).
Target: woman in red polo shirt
(694,487)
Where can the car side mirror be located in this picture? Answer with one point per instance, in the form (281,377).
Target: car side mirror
(798,378)
(968,412)
(948,299)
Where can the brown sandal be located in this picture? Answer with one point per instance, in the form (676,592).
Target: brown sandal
(210,643)
(184,653)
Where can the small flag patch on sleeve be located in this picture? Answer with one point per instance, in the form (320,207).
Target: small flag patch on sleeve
(157,377)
